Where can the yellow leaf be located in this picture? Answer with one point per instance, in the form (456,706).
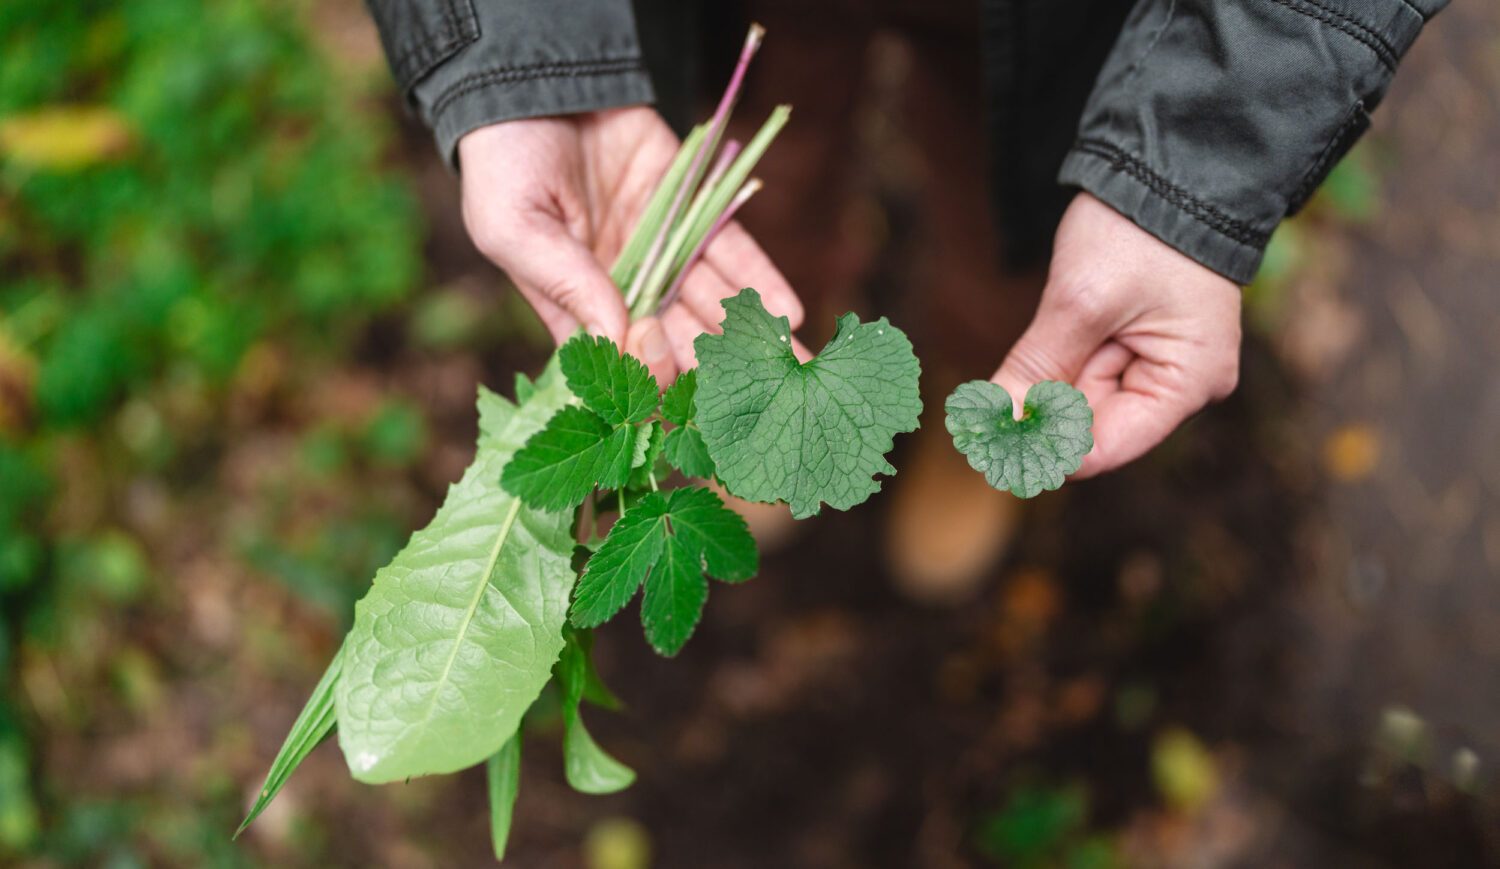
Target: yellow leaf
(1185,772)
(1351,452)
(64,137)
(617,843)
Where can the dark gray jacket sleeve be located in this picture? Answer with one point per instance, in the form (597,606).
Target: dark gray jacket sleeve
(463,64)
(1214,119)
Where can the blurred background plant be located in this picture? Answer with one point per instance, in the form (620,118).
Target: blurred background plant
(240,329)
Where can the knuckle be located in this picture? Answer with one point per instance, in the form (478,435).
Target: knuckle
(1083,298)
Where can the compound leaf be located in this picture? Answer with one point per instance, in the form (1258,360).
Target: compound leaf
(667,542)
(618,388)
(1026,456)
(781,430)
(561,464)
(459,632)
(621,563)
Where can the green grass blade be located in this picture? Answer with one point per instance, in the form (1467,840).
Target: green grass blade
(503,777)
(649,223)
(312,726)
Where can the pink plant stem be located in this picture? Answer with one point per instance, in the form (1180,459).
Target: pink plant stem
(710,141)
(739,199)
(727,154)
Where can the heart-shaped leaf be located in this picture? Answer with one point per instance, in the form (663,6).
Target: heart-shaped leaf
(1026,456)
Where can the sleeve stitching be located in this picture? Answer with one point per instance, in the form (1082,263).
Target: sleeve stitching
(514,74)
(1190,205)
(1343,22)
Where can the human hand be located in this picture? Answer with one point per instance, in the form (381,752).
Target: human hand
(553,200)
(1149,335)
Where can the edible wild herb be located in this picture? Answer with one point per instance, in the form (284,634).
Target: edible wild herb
(667,541)
(492,603)
(805,433)
(1026,456)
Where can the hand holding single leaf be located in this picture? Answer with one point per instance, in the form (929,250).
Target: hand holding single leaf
(1028,455)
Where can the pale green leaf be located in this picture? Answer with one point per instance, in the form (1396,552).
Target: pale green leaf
(807,434)
(1029,455)
(575,453)
(503,782)
(459,633)
(588,767)
(312,726)
(618,388)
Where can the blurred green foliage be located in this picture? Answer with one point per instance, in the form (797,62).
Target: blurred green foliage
(1045,827)
(180,180)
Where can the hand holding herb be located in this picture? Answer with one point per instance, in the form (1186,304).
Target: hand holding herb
(1148,335)
(552,201)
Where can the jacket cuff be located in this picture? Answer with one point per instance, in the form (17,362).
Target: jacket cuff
(1211,120)
(463,64)
(508,94)
(1125,183)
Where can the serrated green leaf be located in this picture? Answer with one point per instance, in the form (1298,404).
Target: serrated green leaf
(576,452)
(503,783)
(807,434)
(617,387)
(621,563)
(713,532)
(1027,456)
(677,406)
(588,768)
(684,447)
(658,543)
(675,594)
(459,632)
(686,451)
(312,726)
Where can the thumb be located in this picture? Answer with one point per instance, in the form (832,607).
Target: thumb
(553,264)
(1055,346)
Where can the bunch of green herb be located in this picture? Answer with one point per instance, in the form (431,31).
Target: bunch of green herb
(494,600)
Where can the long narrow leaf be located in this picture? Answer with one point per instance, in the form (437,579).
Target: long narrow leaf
(503,777)
(312,726)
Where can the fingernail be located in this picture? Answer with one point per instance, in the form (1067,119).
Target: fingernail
(597,331)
